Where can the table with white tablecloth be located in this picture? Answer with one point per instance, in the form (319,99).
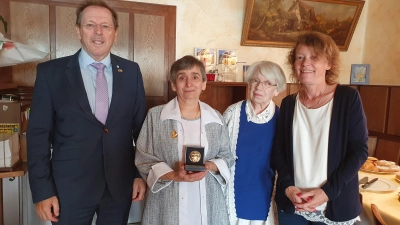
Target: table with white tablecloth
(387,201)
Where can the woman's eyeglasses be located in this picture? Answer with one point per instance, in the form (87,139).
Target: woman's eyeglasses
(263,84)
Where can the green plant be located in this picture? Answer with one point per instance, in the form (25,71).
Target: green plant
(4,23)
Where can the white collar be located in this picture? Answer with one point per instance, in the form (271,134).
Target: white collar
(172,111)
(264,117)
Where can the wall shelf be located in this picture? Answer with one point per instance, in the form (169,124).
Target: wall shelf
(220,95)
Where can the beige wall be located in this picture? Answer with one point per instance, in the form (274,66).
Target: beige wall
(382,42)
(218,24)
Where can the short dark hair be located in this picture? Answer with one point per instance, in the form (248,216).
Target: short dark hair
(322,45)
(99,3)
(184,63)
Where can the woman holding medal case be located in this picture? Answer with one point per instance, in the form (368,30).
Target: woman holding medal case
(177,196)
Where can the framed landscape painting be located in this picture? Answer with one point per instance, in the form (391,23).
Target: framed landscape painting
(277,23)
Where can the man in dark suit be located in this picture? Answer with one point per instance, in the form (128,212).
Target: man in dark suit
(91,166)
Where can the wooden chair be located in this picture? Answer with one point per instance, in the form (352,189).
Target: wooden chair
(372,141)
(377,216)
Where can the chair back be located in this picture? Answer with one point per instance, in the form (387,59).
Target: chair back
(377,216)
(372,141)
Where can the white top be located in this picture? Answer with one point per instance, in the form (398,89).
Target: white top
(310,146)
(189,192)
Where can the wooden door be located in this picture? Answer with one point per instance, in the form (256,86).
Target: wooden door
(146,35)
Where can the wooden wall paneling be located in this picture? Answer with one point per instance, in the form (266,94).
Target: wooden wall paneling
(5,13)
(220,95)
(158,41)
(155,53)
(278,99)
(375,101)
(354,87)
(30,27)
(149,47)
(53,32)
(65,40)
(394,112)
(5,72)
(290,89)
(388,150)
(217,97)
(5,76)
(121,46)
(239,93)
(169,38)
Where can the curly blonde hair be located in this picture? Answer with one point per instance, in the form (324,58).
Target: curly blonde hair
(322,44)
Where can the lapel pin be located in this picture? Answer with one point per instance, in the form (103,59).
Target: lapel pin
(120,70)
(117,66)
(174,134)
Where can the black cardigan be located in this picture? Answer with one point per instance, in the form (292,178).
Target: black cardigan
(347,151)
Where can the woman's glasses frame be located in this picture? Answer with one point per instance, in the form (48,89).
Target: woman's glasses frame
(264,84)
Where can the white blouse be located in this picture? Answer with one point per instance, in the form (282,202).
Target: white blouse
(310,151)
(310,146)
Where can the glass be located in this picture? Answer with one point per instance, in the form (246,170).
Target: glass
(264,84)
(103,26)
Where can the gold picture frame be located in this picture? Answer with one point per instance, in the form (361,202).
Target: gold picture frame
(277,23)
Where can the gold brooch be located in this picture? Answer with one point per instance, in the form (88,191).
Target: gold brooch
(174,134)
(120,70)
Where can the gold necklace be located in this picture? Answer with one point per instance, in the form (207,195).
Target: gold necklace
(319,101)
(196,117)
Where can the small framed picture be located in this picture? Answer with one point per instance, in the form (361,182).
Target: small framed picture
(359,74)
(207,56)
(227,57)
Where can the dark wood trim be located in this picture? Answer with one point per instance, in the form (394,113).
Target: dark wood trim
(19,171)
(170,50)
(387,111)
(385,136)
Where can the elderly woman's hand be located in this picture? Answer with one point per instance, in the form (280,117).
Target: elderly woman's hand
(184,176)
(312,199)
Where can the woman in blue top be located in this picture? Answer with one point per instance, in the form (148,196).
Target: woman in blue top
(251,126)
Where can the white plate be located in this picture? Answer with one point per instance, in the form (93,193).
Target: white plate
(381,185)
(377,172)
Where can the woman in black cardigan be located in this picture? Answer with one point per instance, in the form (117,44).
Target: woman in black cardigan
(321,140)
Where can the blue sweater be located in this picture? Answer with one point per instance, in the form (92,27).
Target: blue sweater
(254,178)
(347,151)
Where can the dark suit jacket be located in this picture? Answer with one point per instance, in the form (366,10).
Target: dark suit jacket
(86,154)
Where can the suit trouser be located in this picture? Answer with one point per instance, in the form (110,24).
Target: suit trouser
(109,212)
